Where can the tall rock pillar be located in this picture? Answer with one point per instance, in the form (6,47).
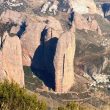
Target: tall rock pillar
(11,60)
(64,62)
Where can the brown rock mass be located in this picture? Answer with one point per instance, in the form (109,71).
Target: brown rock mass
(41,57)
(87,23)
(12,68)
(64,62)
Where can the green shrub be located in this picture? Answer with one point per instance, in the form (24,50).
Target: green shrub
(72,106)
(42,105)
(12,97)
(62,108)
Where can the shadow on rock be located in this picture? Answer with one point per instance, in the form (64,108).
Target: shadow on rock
(42,62)
(105,8)
(22,29)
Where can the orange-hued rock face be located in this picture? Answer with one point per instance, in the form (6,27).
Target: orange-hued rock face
(87,23)
(64,62)
(11,67)
(32,48)
(30,40)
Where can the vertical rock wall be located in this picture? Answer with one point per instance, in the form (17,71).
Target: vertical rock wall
(64,62)
(42,58)
(12,68)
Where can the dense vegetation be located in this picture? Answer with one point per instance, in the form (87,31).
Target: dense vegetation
(12,97)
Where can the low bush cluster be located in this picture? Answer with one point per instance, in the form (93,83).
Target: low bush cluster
(72,106)
(12,97)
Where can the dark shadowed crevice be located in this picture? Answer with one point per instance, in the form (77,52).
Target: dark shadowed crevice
(42,62)
(22,29)
(105,8)
(43,35)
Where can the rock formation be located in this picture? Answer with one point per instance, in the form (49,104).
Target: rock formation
(64,62)
(11,61)
(87,23)
(31,38)
(84,6)
(32,48)
(52,55)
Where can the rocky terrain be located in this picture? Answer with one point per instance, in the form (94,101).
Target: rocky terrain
(41,51)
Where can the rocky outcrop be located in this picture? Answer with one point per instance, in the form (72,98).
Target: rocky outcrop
(64,62)
(41,57)
(11,60)
(80,6)
(36,3)
(35,25)
(87,23)
(84,6)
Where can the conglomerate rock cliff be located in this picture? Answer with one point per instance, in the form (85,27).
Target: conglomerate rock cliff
(39,48)
(11,60)
(64,61)
(43,45)
(47,43)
